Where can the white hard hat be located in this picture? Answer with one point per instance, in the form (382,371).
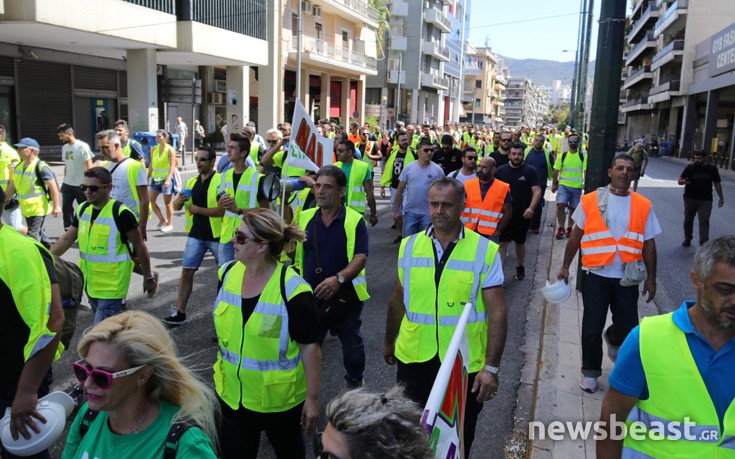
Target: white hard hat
(557,292)
(55,407)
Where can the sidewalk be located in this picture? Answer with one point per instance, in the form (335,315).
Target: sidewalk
(557,395)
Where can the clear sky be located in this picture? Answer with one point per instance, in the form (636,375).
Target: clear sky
(530,29)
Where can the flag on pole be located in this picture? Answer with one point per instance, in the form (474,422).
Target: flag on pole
(297,158)
(444,413)
(317,148)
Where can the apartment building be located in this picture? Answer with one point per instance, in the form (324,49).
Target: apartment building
(147,61)
(412,78)
(659,73)
(484,87)
(339,51)
(525,103)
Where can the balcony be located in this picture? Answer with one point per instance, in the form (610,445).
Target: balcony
(245,18)
(333,57)
(357,10)
(666,90)
(164,6)
(399,8)
(437,17)
(636,104)
(636,6)
(468,97)
(652,12)
(638,75)
(436,50)
(471,70)
(648,41)
(673,20)
(669,53)
(434,80)
(396,77)
(398,43)
(501,79)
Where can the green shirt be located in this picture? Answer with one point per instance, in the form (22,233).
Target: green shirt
(638,156)
(101,443)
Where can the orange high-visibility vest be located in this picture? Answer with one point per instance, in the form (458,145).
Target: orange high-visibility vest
(598,245)
(483,215)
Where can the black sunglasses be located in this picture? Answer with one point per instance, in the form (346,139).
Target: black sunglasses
(92,188)
(574,141)
(201,159)
(471,158)
(505,140)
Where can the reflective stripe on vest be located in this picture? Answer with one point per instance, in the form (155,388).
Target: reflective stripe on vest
(215,223)
(32,197)
(160,163)
(387,176)
(246,197)
(432,311)
(571,170)
(598,247)
(256,358)
(679,418)
(104,259)
(483,215)
(352,219)
(356,197)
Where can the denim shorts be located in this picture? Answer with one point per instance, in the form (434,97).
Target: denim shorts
(195,250)
(569,196)
(159,188)
(226,253)
(104,308)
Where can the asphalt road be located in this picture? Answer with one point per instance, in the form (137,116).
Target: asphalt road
(194,340)
(674,261)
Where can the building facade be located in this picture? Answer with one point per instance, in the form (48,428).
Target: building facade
(484,87)
(525,104)
(147,61)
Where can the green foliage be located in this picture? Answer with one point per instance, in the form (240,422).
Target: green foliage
(373,122)
(214,137)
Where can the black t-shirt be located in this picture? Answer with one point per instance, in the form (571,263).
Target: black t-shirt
(449,160)
(200,227)
(125,222)
(13,330)
(398,162)
(701,178)
(500,159)
(303,316)
(521,180)
(236,181)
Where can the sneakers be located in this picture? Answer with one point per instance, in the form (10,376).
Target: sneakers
(569,232)
(612,350)
(588,384)
(167,228)
(176,318)
(520,272)
(686,243)
(151,293)
(560,233)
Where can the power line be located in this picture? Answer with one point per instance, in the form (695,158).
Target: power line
(521,21)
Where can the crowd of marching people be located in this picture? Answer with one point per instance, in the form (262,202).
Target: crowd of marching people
(459,196)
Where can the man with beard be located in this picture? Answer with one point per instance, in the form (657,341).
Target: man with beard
(540,158)
(526,194)
(469,165)
(678,368)
(488,208)
(448,157)
(400,157)
(501,156)
(495,146)
(613,226)
(698,179)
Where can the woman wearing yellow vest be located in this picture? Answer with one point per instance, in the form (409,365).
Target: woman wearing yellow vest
(160,176)
(268,364)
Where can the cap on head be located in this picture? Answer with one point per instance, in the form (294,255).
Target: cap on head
(28,142)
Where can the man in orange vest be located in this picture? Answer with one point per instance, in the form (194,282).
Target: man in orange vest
(614,226)
(488,206)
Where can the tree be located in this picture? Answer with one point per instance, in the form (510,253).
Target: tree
(381,6)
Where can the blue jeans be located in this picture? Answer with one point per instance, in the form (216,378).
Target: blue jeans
(104,308)
(226,253)
(195,250)
(350,335)
(414,223)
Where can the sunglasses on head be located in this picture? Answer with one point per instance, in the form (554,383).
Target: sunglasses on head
(92,188)
(242,239)
(100,378)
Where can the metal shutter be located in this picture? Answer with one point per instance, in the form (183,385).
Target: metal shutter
(6,66)
(44,99)
(123,90)
(95,79)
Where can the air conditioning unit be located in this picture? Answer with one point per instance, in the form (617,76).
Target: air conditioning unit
(220,85)
(317,11)
(306,7)
(217,98)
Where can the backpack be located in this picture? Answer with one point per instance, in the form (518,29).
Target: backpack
(41,183)
(564,155)
(115,216)
(170,443)
(71,280)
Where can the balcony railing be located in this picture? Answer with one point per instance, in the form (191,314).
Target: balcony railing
(398,43)
(646,41)
(399,8)
(675,45)
(246,18)
(670,15)
(360,7)
(651,11)
(437,50)
(672,85)
(437,17)
(434,80)
(318,47)
(394,76)
(164,6)
(471,70)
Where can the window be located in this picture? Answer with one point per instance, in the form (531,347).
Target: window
(345,39)
(478,84)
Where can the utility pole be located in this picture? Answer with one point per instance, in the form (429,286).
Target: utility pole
(608,68)
(582,97)
(577,64)
(299,46)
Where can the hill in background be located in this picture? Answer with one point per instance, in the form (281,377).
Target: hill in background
(544,72)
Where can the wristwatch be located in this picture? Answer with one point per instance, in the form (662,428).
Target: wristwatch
(492,370)
(340,278)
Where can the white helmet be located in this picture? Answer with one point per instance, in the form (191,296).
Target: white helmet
(55,407)
(557,292)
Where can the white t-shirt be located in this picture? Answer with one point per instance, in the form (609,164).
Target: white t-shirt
(460,176)
(417,180)
(121,188)
(75,156)
(618,215)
